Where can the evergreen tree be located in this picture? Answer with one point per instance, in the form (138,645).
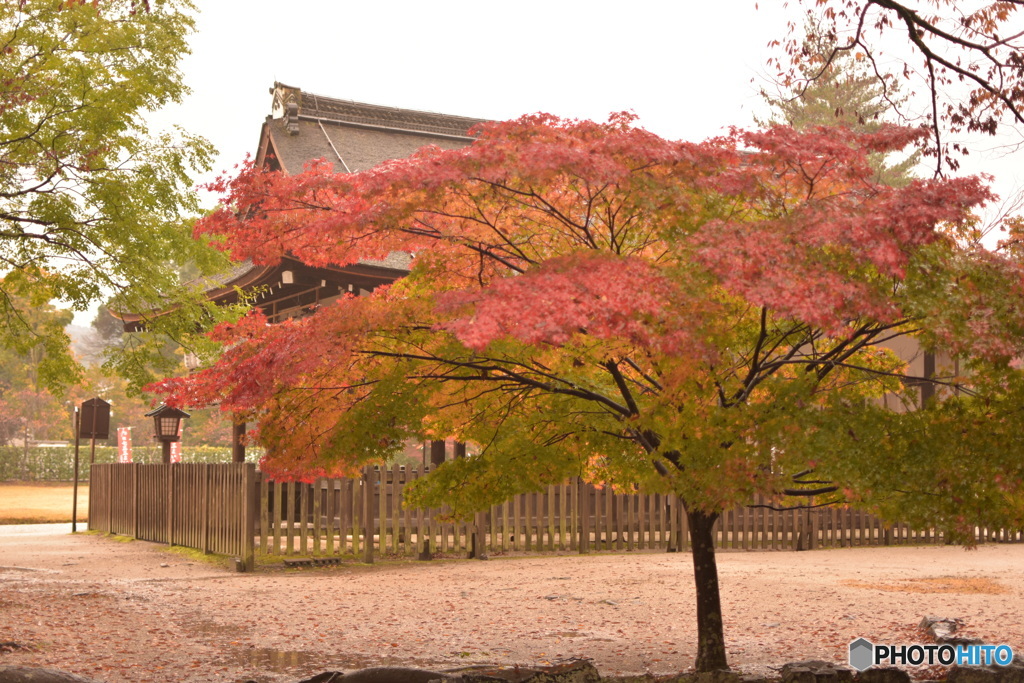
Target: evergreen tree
(840,92)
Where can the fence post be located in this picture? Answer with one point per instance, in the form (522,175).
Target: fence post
(368,492)
(135,500)
(382,507)
(476,543)
(682,532)
(264,502)
(205,493)
(251,495)
(673,506)
(110,498)
(684,528)
(815,525)
(584,506)
(170,503)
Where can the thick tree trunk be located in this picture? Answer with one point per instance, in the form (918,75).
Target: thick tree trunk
(710,638)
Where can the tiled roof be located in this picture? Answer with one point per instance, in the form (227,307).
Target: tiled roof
(396,260)
(354,136)
(348,148)
(359,113)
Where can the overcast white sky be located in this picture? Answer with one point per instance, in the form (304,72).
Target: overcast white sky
(687,69)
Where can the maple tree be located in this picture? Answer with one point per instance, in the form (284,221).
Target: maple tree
(967,59)
(92,201)
(708,319)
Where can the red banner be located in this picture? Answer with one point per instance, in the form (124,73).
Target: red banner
(176,445)
(124,444)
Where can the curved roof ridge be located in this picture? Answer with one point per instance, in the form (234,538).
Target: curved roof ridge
(350,111)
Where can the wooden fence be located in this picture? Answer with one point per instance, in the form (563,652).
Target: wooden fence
(232,510)
(333,517)
(206,507)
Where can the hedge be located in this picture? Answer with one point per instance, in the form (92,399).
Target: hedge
(57,463)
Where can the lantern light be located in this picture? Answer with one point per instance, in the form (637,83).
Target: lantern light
(166,427)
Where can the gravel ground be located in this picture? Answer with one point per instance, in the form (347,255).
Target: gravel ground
(135,611)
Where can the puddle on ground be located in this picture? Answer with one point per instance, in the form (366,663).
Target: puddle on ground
(268,659)
(263,665)
(272,661)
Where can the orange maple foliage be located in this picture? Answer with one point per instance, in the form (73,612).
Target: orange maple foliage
(590,299)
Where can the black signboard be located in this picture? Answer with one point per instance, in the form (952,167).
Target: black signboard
(95,419)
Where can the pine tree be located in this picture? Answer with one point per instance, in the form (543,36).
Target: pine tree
(840,93)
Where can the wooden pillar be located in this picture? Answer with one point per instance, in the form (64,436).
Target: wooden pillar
(928,386)
(477,538)
(437,454)
(237,447)
(673,525)
(250,488)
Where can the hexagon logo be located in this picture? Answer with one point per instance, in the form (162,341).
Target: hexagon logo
(862,654)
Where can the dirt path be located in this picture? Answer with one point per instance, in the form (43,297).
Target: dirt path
(136,612)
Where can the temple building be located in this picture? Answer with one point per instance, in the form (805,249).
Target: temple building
(353,136)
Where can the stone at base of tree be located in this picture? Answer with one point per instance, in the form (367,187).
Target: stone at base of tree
(577,671)
(25,674)
(972,674)
(1012,673)
(392,674)
(583,671)
(882,674)
(325,677)
(719,676)
(815,671)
